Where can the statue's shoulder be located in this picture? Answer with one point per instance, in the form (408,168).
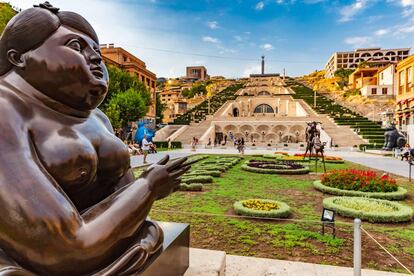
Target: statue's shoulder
(103,118)
(13,104)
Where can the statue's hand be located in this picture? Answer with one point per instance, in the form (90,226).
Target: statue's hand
(164,178)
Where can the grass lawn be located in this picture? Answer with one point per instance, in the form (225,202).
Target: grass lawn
(212,226)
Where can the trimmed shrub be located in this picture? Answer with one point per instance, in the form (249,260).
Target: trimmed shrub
(282,210)
(204,172)
(400,194)
(370,209)
(164,144)
(194,187)
(197,179)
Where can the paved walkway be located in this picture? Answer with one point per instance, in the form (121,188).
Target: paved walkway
(386,164)
(217,263)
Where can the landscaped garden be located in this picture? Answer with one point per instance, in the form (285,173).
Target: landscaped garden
(278,216)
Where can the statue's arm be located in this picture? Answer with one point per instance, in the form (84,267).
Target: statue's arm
(42,229)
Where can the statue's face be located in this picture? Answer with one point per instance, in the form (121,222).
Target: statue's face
(68,67)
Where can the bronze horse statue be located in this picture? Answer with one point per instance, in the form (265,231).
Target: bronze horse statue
(313,143)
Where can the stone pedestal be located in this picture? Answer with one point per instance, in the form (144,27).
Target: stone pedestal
(173,258)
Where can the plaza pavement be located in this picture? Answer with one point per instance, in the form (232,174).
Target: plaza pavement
(386,164)
(205,262)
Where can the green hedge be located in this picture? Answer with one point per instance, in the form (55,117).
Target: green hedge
(197,179)
(211,168)
(401,212)
(194,187)
(304,170)
(164,144)
(400,194)
(282,212)
(204,172)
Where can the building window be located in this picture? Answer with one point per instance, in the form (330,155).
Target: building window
(402,78)
(382,76)
(384,90)
(263,108)
(374,91)
(409,75)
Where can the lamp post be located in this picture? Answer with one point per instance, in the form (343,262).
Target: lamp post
(315,88)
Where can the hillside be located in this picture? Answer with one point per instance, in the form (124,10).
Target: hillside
(349,98)
(6,13)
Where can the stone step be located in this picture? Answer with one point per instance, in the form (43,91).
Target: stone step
(205,262)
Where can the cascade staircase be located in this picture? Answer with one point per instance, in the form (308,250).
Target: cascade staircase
(343,136)
(343,117)
(200,112)
(197,120)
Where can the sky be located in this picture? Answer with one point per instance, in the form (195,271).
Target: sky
(229,37)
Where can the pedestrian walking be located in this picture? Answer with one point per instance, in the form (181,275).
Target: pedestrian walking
(145,148)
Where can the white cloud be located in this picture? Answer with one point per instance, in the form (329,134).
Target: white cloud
(260,5)
(212,25)
(210,39)
(406,29)
(348,12)
(381,32)
(313,1)
(238,38)
(255,69)
(408,6)
(267,46)
(279,1)
(359,41)
(224,50)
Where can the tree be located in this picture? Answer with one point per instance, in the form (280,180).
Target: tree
(160,107)
(186,93)
(125,107)
(127,100)
(114,115)
(6,13)
(120,81)
(343,75)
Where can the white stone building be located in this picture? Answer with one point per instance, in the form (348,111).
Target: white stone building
(351,59)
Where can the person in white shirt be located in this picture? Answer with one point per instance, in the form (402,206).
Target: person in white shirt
(145,148)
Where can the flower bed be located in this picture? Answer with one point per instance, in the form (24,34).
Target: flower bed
(370,209)
(280,153)
(400,194)
(328,158)
(358,180)
(262,208)
(274,167)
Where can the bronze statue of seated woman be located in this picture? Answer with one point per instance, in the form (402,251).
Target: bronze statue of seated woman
(69,202)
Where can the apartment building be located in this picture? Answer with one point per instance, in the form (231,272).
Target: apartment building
(197,73)
(404,113)
(122,59)
(351,59)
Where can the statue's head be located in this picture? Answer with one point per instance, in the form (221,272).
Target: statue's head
(57,52)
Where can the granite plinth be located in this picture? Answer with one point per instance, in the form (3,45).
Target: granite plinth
(173,258)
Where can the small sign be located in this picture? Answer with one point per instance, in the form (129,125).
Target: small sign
(328,215)
(328,220)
